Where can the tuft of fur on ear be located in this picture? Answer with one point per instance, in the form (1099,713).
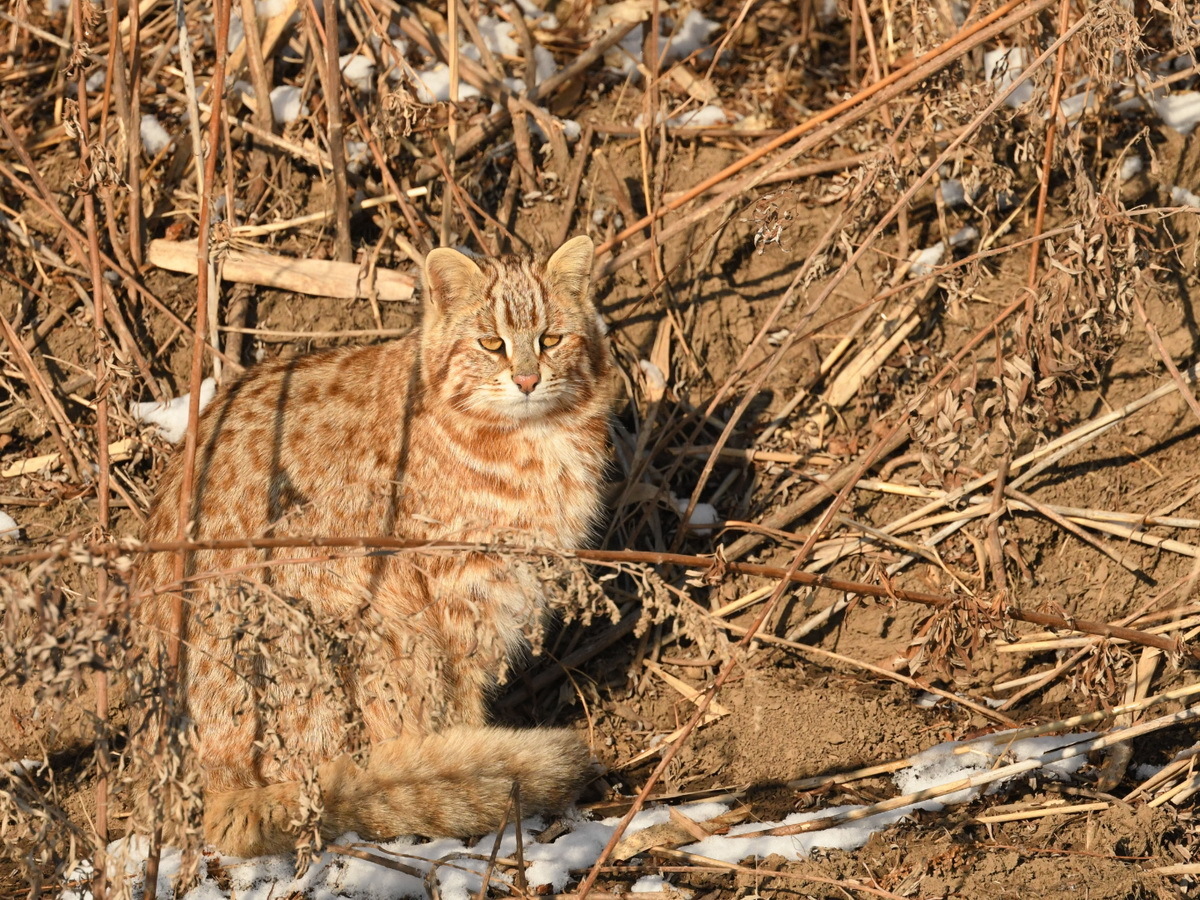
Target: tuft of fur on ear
(569,270)
(449,277)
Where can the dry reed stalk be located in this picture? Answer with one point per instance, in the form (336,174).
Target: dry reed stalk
(713,567)
(56,418)
(912,683)
(1042,812)
(1049,453)
(100,680)
(331,79)
(1169,363)
(851,110)
(43,198)
(1064,12)
(248,231)
(264,116)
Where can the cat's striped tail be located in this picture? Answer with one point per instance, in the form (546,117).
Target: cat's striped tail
(453,784)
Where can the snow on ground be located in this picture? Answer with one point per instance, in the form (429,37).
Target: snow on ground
(9,529)
(703,515)
(170,418)
(556,864)
(286,105)
(925,261)
(155,138)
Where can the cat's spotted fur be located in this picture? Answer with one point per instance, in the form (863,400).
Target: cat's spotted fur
(487,424)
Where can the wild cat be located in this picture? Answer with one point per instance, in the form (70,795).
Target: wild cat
(489,422)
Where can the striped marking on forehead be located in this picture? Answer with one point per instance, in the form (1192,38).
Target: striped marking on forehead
(517,295)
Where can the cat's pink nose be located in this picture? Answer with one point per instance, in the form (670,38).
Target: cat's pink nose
(527,382)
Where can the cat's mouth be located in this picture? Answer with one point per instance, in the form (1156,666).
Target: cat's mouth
(533,405)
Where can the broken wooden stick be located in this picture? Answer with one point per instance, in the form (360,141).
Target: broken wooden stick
(319,277)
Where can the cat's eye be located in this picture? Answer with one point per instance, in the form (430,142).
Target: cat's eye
(494,344)
(551,340)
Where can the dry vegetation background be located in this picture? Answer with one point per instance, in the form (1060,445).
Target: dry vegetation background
(991,456)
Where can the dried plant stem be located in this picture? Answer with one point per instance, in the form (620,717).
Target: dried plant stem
(331,79)
(479,134)
(68,229)
(1042,812)
(1075,438)
(57,422)
(912,683)
(706,564)
(100,681)
(861,104)
(1064,12)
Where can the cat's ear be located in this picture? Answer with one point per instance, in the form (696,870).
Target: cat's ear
(570,268)
(450,277)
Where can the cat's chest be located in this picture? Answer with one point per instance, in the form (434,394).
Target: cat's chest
(543,485)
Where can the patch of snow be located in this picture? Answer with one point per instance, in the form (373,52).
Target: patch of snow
(1181,196)
(927,259)
(1131,166)
(237,31)
(433,85)
(700,118)
(704,514)
(155,138)
(656,382)
(964,235)
(357,155)
(497,35)
(9,531)
(649,884)
(544,63)
(23,766)
(332,875)
(1073,107)
(955,760)
(358,70)
(285,104)
(538,17)
(1002,67)
(571,130)
(1179,111)
(627,55)
(694,33)
(95,81)
(551,864)
(170,418)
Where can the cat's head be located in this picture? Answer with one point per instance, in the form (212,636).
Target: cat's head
(512,338)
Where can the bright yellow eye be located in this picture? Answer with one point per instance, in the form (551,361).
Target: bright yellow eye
(550,340)
(494,344)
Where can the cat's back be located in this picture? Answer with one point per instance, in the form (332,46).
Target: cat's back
(294,445)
